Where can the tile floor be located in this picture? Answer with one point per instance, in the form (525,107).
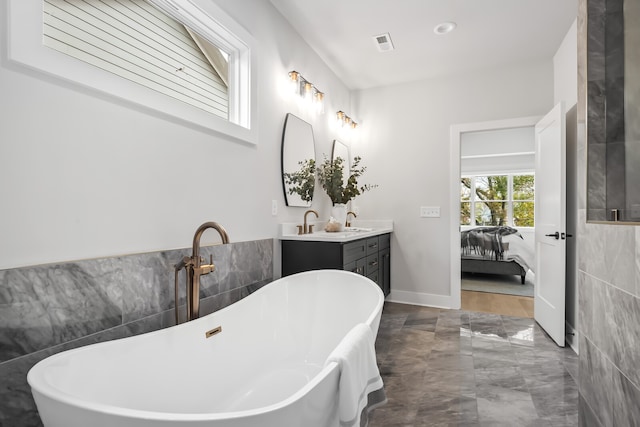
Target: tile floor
(462,368)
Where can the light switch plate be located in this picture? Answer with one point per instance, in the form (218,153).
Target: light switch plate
(274,207)
(430,211)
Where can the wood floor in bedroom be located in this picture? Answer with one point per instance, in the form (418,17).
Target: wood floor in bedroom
(507,305)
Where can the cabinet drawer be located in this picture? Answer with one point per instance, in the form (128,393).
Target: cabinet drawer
(357,266)
(372,245)
(384,241)
(353,251)
(372,264)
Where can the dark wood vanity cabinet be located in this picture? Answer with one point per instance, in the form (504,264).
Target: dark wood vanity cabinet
(369,256)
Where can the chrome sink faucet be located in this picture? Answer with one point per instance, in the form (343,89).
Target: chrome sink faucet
(195,269)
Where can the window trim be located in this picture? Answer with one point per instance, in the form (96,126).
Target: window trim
(25,47)
(472,197)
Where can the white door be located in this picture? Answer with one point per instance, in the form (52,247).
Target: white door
(550,223)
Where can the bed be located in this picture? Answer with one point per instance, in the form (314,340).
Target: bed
(494,250)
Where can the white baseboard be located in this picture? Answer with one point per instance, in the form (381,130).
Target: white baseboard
(419,298)
(571,337)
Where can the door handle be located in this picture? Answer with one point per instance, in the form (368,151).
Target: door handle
(556,235)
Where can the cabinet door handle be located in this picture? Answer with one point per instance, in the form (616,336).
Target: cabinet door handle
(373,264)
(374,245)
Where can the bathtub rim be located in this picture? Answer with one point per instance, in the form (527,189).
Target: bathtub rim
(50,392)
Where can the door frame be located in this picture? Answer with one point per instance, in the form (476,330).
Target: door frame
(456,132)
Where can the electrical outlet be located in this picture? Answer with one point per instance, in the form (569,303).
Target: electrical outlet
(274,207)
(430,211)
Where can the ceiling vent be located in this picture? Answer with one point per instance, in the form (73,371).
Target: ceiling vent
(383,42)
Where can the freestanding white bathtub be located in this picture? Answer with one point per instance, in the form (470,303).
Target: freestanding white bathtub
(265,368)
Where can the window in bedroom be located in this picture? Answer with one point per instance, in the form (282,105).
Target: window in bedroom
(497,200)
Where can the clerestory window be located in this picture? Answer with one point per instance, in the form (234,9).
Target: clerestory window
(136,41)
(187,60)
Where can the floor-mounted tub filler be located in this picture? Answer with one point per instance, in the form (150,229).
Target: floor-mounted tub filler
(297,352)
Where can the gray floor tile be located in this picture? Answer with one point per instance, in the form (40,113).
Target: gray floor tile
(457,368)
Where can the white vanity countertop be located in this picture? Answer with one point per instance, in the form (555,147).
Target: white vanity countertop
(359,230)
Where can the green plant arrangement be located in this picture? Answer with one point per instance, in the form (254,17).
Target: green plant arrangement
(331,177)
(302,182)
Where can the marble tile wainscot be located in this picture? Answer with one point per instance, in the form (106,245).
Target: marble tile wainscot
(50,308)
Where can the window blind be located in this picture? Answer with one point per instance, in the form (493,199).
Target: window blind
(136,41)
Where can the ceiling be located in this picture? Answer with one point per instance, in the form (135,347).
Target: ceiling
(489,33)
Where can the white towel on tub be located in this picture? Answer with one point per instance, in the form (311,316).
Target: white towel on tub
(360,385)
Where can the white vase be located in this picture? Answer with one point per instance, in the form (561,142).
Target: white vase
(339,212)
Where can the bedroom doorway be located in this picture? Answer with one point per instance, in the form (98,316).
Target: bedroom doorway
(492,269)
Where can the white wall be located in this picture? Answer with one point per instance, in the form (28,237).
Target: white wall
(84,176)
(565,69)
(498,151)
(405,142)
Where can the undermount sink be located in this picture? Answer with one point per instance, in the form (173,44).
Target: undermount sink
(357,229)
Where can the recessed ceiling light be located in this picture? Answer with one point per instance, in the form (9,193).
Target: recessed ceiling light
(444,28)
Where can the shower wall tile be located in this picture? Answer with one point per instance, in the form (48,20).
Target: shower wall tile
(614,40)
(585,303)
(626,395)
(596,112)
(596,20)
(581,164)
(608,252)
(619,256)
(623,339)
(597,179)
(614,6)
(595,386)
(586,417)
(637,269)
(614,326)
(591,244)
(601,318)
(616,179)
(614,112)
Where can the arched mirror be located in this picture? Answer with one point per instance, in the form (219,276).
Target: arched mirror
(298,162)
(341,150)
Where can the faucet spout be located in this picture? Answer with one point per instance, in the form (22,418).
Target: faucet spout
(195,268)
(198,234)
(307,229)
(347,223)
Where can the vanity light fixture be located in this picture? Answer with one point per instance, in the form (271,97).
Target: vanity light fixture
(294,81)
(345,120)
(318,101)
(306,90)
(444,28)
